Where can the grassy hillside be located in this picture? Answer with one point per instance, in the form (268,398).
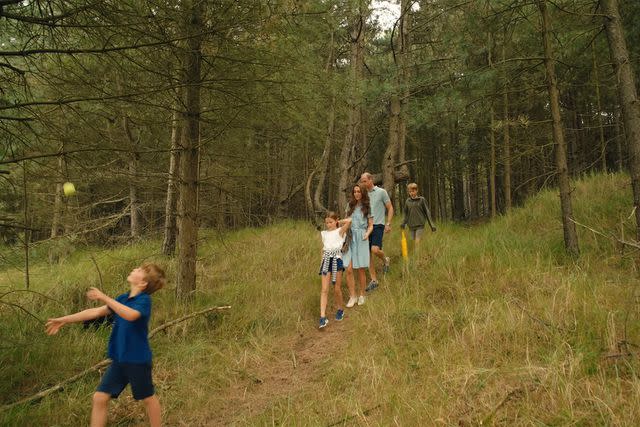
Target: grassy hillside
(493,325)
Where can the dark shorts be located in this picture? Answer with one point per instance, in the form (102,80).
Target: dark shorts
(120,374)
(375,238)
(340,266)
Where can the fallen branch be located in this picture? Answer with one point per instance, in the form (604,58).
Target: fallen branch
(187,317)
(635,245)
(104,363)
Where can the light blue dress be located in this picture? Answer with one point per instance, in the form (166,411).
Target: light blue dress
(358,252)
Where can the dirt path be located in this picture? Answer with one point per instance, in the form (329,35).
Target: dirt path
(295,366)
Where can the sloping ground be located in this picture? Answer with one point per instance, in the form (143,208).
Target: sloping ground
(492,325)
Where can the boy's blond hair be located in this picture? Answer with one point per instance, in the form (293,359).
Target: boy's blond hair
(154,276)
(412,186)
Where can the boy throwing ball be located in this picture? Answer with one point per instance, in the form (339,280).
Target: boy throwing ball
(128,348)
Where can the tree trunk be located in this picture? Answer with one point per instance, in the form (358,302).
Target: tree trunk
(596,81)
(406,22)
(56,221)
(620,138)
(506,143)
(170,228)
(189,162)
(627,94)
(134,158)
(322,168)
(391,153)
(569,227)
(352,152)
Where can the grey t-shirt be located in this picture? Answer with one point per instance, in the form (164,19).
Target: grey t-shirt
(378,197)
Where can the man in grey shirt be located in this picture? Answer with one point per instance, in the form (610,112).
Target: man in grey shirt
(380,207)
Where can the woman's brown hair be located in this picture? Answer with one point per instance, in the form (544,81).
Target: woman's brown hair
(365,205)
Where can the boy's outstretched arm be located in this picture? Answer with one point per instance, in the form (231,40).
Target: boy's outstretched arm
(53,325)
(127,313)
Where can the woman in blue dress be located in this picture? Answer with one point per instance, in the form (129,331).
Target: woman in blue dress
(357,256)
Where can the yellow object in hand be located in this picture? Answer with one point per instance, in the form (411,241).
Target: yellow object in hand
(403,246)
(69,189)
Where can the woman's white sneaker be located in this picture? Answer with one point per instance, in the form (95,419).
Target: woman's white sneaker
(361,300)
(352,301)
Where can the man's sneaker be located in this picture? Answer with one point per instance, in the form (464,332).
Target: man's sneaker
(339,315)
(371,286)
(323,322)
(361,300)
(352,301)
(385,267)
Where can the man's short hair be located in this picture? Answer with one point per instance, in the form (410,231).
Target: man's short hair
(412,186)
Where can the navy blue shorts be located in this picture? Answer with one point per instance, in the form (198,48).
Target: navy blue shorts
(120,374)
(340,266)
(375,238)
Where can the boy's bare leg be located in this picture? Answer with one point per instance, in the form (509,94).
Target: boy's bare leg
(154,411)
(99,409)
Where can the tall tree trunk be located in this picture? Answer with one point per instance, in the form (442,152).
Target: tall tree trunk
(284,180)
(404,59)
(396,145)
(352,152)
(492,135)
(506,143)
(569,227)
(189,162)
(56,220)
(391,152)
(627,94)
(27,226)
(170,227)
(134,159)
(596,82)
(457,168)
(323,165)
(620,138)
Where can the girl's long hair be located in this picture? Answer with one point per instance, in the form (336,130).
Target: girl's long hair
(365,206)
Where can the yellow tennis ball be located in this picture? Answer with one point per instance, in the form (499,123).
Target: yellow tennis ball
(69,189)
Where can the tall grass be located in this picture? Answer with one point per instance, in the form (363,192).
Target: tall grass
(494,324)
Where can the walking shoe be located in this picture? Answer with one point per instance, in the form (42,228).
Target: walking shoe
(371,286)
(323,322)
(385,267)
(352,301)
(339,315)
(360,300)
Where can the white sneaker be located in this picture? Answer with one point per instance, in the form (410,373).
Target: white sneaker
(361,300)
(352,301)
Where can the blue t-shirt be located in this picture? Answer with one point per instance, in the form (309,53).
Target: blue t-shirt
(129,341)
(378,198)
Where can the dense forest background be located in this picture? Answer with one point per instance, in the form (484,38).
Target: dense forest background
(170,116)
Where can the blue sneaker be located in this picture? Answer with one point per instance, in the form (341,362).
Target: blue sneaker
(339,315)
(323,322)
(371,286)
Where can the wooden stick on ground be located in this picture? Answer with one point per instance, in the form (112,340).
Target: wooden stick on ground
(106,362)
